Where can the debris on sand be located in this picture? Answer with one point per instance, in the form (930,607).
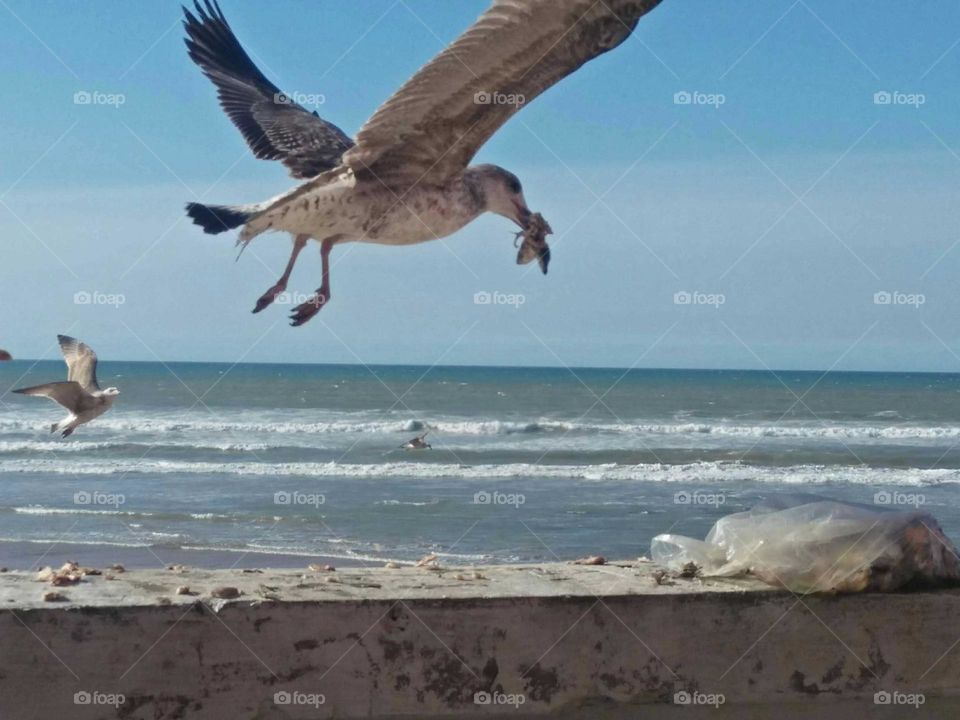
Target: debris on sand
(225,592)
(592,560)
(393,565)
(314,567)
(690,570)
(184,590)
(69,574)
(430,561)
(53,596)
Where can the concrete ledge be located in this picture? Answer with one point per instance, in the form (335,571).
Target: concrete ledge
(542,641)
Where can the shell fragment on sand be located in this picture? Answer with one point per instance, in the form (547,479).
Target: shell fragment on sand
(534,243)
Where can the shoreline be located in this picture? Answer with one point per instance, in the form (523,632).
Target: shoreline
(25,555)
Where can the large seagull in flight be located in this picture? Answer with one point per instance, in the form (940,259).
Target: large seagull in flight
(407,177)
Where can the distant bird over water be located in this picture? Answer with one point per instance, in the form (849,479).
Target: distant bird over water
(80,394)
(5,356)
(405,179)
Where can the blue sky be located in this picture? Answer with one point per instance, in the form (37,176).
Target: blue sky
(794,202)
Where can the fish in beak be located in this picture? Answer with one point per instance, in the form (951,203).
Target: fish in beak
(534,244)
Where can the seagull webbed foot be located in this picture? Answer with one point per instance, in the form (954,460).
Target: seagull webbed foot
(269,296)
(303,312)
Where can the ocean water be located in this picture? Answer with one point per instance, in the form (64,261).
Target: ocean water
(527,464)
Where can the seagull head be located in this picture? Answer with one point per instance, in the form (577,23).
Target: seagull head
(502,193)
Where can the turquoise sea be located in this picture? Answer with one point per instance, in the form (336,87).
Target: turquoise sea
(528,464)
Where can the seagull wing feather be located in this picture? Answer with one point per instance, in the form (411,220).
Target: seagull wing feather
(431,128)
(70,395)
(81,363)
(275,127)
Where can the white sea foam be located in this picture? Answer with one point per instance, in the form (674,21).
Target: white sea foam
(608,472)
(152,426)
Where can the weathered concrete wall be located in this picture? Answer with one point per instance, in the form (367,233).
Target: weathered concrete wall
(569,641)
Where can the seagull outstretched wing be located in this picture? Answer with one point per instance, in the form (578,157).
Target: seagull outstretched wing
(70,395)
(275,127)
(431,128)
(81,364)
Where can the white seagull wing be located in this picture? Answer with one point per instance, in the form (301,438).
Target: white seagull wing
(275,127)
(70,395)
(81,363)
(431,128)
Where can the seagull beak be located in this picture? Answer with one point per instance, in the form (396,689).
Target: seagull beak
(522,217)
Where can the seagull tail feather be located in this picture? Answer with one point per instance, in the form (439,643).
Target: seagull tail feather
(216,219)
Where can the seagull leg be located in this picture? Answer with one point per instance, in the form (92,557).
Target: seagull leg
(321,297)
(270,295)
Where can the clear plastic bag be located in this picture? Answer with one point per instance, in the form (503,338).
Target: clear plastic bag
(810,544)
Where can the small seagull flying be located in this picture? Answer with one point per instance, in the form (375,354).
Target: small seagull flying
(406,178)
(80,394)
